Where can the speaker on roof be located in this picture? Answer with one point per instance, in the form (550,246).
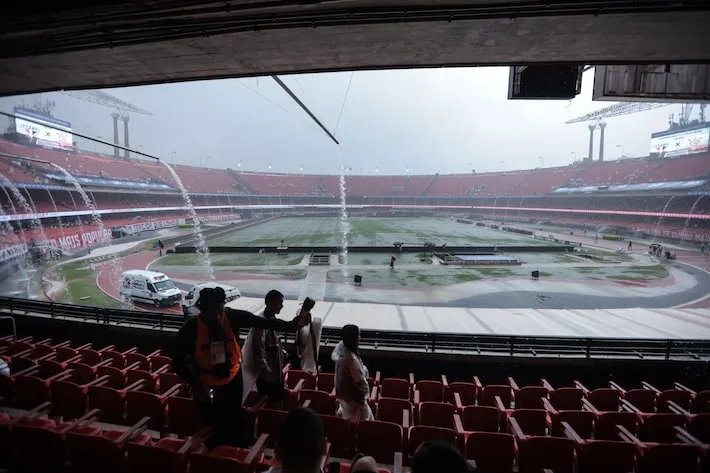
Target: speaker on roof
(545,82)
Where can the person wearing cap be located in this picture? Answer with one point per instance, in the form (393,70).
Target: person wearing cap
(207,356)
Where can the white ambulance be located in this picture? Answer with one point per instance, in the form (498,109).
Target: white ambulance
(149,287)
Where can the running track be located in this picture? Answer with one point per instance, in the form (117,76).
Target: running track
(108,283)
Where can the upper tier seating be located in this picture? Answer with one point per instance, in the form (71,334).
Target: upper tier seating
(80,164)
(679,169)
(204,180)
(287,184)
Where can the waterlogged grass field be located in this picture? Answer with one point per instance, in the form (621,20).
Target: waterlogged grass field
(412,270)
(325,231)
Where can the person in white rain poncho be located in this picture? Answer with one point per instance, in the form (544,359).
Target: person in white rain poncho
(308,344)
(351,386)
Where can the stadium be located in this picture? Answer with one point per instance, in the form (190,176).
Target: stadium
(541,318)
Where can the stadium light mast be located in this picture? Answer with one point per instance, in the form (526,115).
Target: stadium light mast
(596,119)
(122,109)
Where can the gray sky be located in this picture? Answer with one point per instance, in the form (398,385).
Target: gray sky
(392,120)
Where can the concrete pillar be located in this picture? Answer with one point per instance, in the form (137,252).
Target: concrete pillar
(602,125)
(126,154)
(592,127)
(115,116)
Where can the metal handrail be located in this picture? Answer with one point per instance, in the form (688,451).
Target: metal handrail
(14,325)
(498,345)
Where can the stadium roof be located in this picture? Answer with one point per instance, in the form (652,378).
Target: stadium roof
(72,44)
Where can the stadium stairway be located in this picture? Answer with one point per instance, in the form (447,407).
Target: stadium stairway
(77,401)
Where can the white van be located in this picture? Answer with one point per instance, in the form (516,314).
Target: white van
(149,287)
(189,308)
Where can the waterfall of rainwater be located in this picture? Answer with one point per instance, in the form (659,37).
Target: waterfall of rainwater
(14,211)
(520,208)
(202,248)
(690,216)
(59,271)
(493,213)
(35,223)
(18,284)
(79,221)
(658,224)
(104,235)
(54,205)
(344,225)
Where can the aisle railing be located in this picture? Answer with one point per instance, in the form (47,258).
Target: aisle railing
(485,345)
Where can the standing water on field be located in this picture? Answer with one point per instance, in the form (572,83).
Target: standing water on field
(202,248)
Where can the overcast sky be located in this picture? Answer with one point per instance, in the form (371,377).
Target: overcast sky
(453,120)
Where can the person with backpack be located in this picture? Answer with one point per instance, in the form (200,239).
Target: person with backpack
(207,356)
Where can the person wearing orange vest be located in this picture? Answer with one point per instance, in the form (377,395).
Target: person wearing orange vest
(207,356)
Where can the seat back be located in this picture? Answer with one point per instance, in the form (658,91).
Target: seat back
(581,421)
(337,432)
(152,459)
(92,453)
(605,399)
(69,399)
(117,378)
(701,403)
(149,384)
(109,402)
(294,376)
(643,399)
(430,391)
(395,388)
(268,422)
(530,397)
(660,427)
(183,416)
(467,392)
(30,391)
(380,440)
(662,458)
(481,418)
(168,380)
(493,452)
(567,399)
(422,433)
(531,421)
(140,404)
(606,422)
(699,426)
(539,453)
(321,401)
(436,414)
(680,397)
(221,460)
(132,358)
(607,456)
(81,373)
(390,410)
(117,359)
(489,393)
(326,382)
(29,441)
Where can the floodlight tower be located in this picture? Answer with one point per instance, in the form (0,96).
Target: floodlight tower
(121,107)
(596,119)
